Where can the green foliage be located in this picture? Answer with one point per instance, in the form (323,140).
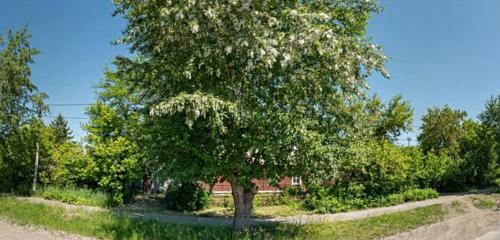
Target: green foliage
(72,166)
(388,122)
(442,130)
(327,200)
(379,168)
(264,87)
(115,146)
(186,197)
(117,168)
(488,157)
(20,105)
(436,170)
(419,194)
(20,101)
(76,196)
(60,129)
(17,157)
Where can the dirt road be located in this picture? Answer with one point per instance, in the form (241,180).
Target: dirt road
(473,223)
(9,231)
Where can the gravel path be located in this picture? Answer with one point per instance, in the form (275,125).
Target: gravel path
(9,231)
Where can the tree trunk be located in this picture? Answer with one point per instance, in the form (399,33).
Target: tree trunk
(146,183)
(243,204)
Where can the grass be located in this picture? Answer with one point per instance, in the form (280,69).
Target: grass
(76,196)
(484,202)
(109,225)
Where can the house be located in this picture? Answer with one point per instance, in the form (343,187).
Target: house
(224,187)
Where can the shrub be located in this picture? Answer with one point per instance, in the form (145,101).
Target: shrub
(392,199)
(328,204)
(419,194)
(71,165)
(186,197)
(321,202)
(117,168)
(378,168)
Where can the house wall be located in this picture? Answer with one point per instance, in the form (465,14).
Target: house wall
(263,184)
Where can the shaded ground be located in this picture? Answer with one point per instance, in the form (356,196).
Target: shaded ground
(9,231)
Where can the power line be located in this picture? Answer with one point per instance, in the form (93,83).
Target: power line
(73,118)
(69,104)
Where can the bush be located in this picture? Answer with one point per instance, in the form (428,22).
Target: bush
(17,151)
(76,196)
(186,197)
(328,204)
(71,166)
(321,202)
(378,168)
(117,168)
(419,194)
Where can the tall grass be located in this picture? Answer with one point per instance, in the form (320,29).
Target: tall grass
(109,225)
(76,196)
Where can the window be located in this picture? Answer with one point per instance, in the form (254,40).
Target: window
(296,181)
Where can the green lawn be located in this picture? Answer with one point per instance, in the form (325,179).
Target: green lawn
(107,225)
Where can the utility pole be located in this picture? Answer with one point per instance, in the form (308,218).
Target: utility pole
(36,166)
(40,109)
(409,141)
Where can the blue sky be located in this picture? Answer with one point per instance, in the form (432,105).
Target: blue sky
(442,52)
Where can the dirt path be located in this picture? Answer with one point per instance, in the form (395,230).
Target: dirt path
(9,231)
(300,219)
(474,223)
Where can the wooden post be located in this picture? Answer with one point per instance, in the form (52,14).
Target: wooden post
(36,167)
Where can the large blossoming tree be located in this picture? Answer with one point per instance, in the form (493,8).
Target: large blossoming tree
(242,89)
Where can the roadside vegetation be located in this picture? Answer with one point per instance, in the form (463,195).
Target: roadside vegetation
(73,195)
(108,225)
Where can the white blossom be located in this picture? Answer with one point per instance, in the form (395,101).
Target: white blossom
(286,60)
(194,27)
(228,50)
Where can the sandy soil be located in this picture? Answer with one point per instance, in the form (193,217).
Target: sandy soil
(469,225)
(10,231)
